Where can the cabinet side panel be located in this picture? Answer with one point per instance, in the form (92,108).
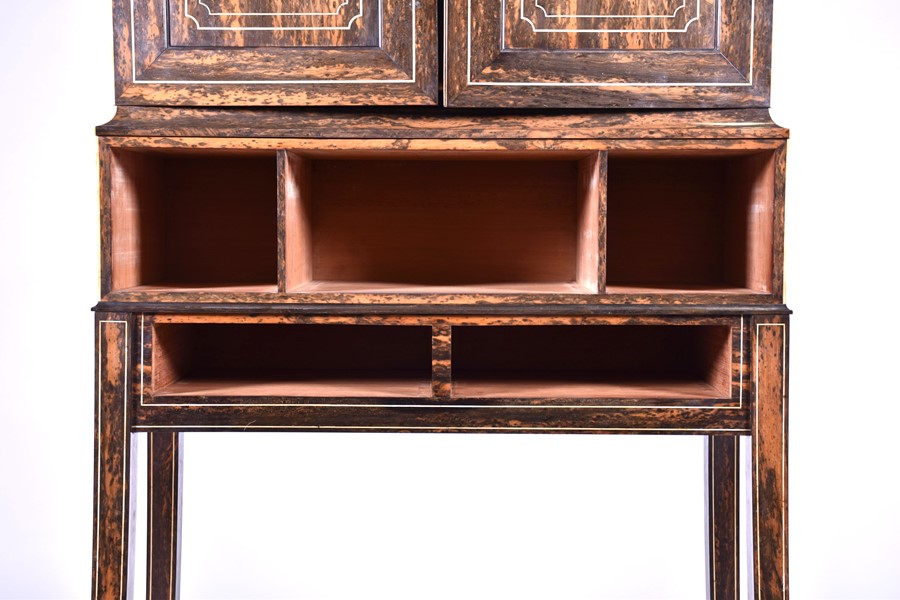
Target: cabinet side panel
(135,219)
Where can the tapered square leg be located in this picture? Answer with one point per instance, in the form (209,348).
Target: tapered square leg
(769,427)
(722,493)
(164,515)
(113,455)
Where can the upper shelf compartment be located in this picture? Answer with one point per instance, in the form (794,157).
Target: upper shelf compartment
(608,53)
(276,52)
(501,222)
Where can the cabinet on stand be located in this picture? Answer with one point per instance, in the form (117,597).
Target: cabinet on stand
(475,269)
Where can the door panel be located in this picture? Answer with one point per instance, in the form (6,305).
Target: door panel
(276,52)
(608,53)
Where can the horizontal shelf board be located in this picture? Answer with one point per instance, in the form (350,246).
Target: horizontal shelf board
(249,307)
(679,289)
(538,419)
(300,385)
(387,287)
(559,387)
(268,288)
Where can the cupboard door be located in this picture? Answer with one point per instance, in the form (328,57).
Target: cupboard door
(276,52)
(608,53)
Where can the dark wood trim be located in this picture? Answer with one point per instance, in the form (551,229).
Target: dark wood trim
(164,515)
(425,309)
(114,452)
(447,300)
(778,226)
(362,123)
(722,496)
(770,462)
(443,419)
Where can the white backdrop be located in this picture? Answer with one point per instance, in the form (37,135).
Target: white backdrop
(407,511)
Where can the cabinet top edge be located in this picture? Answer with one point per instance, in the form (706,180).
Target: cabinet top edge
(135,121)
(438,310)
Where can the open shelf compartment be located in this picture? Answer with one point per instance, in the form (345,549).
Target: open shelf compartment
(299,360)
(690,221)
(501,222)
(198,220)
(592,361)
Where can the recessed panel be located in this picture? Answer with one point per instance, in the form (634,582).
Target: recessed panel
(246,23)
(610,24)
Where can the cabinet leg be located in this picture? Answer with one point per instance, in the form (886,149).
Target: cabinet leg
(164,515)
(113,455)
(769,418)
(722,493)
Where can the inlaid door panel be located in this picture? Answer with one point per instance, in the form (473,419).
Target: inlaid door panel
(608,53)
(286,23)
(276,52)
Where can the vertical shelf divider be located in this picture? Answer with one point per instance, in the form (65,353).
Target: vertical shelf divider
(441,369)
(590,269)
(294,221)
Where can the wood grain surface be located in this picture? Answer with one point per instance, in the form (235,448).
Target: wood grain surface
(114,452)
(770,460)
(372,124)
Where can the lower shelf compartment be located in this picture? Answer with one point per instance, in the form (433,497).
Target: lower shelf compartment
(592,361)
(279,359)
(415,358)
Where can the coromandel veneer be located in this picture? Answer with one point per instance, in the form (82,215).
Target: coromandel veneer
(576,269)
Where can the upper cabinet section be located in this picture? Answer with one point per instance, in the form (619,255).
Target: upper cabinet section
(496,53)
(276,52)
(608,53)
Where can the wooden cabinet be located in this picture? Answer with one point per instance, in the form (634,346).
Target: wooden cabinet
(521,53)
(304,268)
(276,52)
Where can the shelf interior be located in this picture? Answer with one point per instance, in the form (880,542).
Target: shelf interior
(592,361)
(424,224)
(300,360)
(690,222)
(679,222)
(198,220)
